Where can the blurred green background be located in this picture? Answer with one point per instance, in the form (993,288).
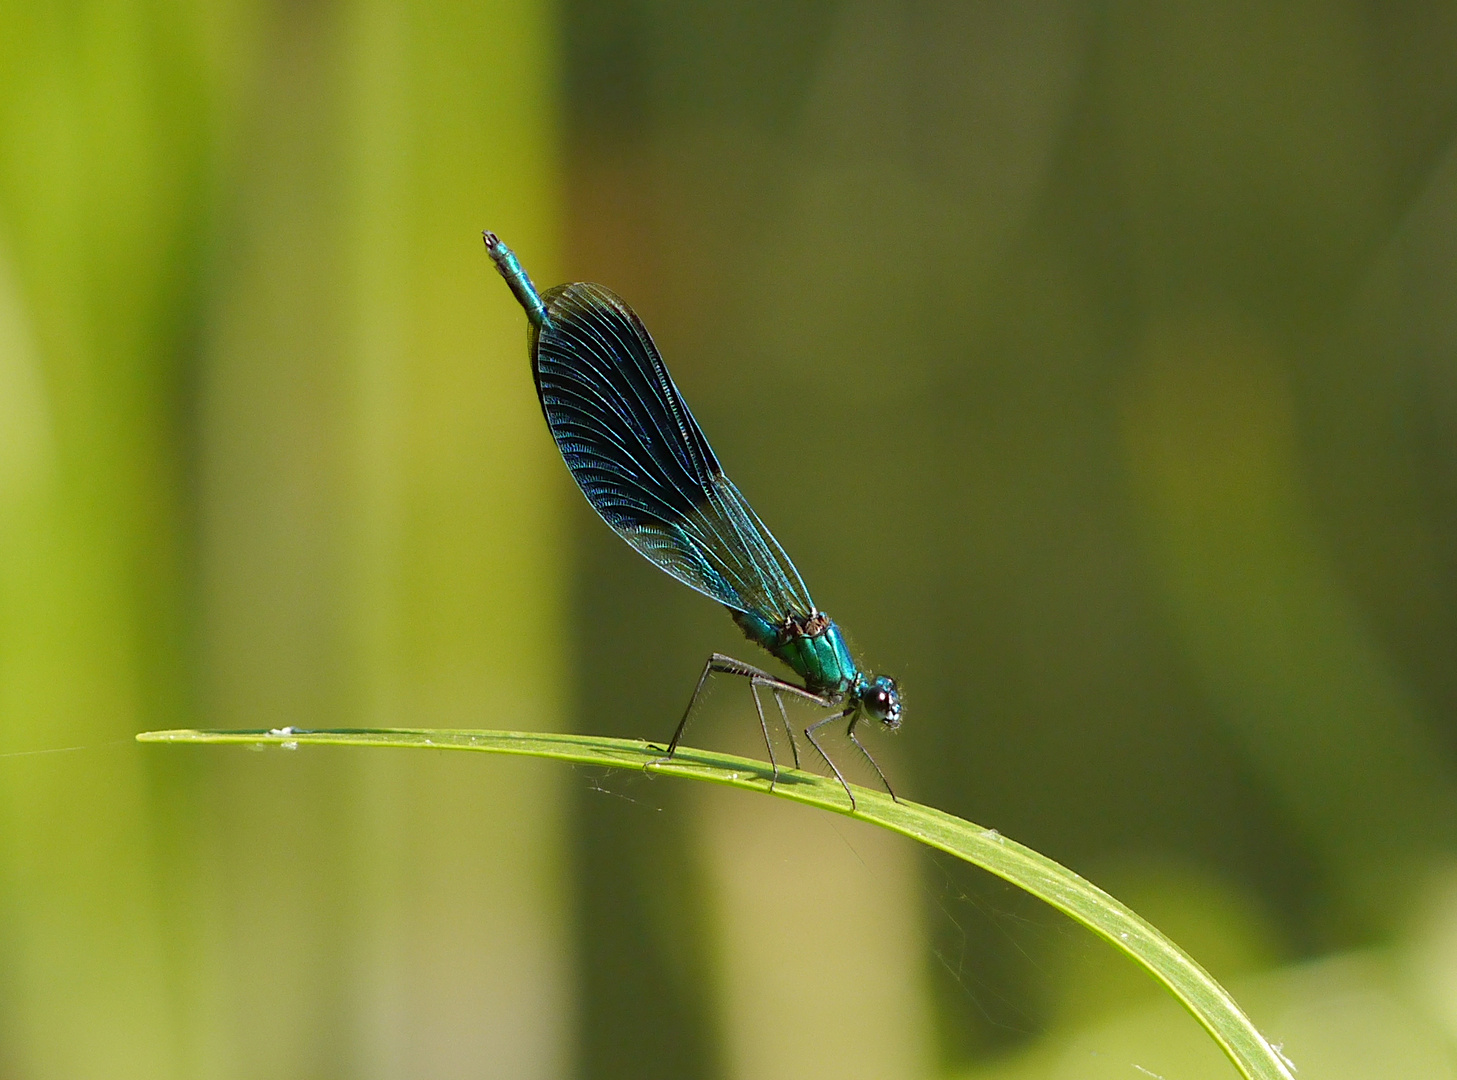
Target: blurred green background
(1097,364)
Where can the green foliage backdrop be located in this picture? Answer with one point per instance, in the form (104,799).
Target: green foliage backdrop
(1095,362)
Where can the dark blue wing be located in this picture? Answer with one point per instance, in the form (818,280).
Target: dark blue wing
(642,460)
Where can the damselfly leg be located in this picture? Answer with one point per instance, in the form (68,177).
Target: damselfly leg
(873,764)
(728,665)
(809,733)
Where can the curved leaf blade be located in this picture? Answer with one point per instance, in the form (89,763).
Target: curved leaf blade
(1050,881)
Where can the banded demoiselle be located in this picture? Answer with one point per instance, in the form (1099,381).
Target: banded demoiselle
(636,452)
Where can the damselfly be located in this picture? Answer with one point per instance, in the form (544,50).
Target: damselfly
(645,466)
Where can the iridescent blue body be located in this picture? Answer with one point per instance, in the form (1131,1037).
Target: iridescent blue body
(642,461)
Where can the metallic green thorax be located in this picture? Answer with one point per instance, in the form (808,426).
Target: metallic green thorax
(813,646)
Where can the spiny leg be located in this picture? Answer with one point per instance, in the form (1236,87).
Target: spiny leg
(768,745)
(788,727)
(727,665)
(851,732)
(678,734)
(809,733)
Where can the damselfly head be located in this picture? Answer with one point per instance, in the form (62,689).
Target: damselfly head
(881,700)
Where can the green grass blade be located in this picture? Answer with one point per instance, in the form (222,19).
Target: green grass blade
(1215,1010)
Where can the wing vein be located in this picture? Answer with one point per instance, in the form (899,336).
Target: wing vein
(634,448)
